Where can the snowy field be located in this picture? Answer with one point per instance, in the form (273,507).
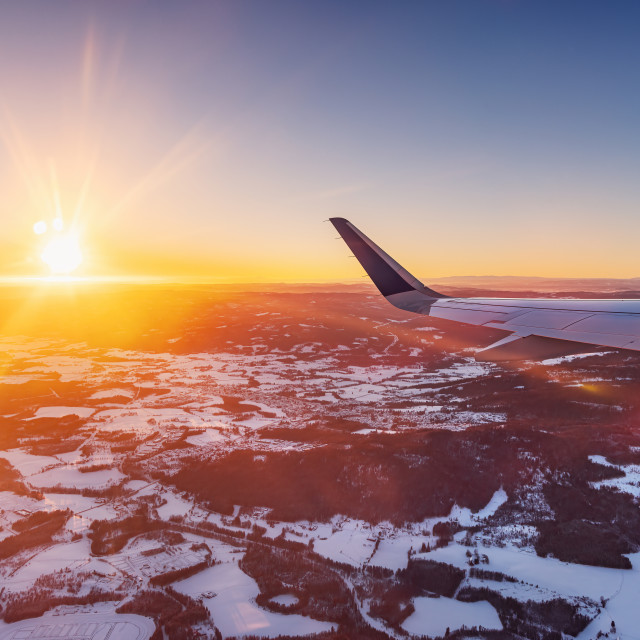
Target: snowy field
(230,594)
(629,483)
(547,578)
(433,616)
(59,625)
(188,385)
(73,477)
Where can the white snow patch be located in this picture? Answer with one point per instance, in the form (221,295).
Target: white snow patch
(72,477)
(175,506)
(285,599)
(571,358)
(27,463)
(61,412)
(80,626)
(629,483)
(208,436)
(621,607)
(233,606)
(353,543)
(434,615)
(111,393)
(497,500)
(53,558)
(547,573)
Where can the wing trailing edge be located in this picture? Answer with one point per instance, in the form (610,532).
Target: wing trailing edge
(516,347)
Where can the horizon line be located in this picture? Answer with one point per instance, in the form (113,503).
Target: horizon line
(204,280)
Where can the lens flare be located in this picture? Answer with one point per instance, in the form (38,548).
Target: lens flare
(62,254)
(40,227)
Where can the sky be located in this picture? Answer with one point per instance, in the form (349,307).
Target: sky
(211,140)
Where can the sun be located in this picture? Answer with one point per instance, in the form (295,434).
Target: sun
(62,254)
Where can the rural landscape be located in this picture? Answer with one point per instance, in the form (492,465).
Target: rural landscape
(305,462)
(227,412)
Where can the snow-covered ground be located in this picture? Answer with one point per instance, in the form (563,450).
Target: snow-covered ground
(175,506)
(230,594)
(547,578)
(95,625)
(73,477)
(26,463)
(433,616)
(554,575)
(285,599)
(353,541)
(169,395)
(54,557)
(83,506)
(206,437)
(111,393)
(61,412)
(198,381)
(622,607)
(629,483)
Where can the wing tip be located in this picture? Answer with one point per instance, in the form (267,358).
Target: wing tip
(388,275)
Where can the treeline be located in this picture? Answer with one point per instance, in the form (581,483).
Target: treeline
(408,477)
(426,577)
(18,399)
(547,620)
(495,576)
(39,519)
(35,530)
(54,446)
(35,602)
(591,526)
(321,592)
(179,574)
(94,467)
(391,595)
(174,613)
(394,609)
(110,536)
(315,601)
(11,480)
(327,428)
(108,493)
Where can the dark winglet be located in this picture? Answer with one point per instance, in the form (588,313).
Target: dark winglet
(389,276)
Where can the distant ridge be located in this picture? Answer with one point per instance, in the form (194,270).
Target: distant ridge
(536,283)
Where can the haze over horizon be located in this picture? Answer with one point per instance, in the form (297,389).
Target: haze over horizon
(210,142)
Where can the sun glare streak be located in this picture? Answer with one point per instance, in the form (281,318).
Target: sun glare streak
(23,159)
(56,194)
(88,63)
(190,148)
(84,190)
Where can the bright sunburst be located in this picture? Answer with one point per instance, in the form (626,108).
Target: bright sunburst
(62,254)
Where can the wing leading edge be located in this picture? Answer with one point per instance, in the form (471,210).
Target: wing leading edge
(538,328)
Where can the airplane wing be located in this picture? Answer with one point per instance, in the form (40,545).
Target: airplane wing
(538,328)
